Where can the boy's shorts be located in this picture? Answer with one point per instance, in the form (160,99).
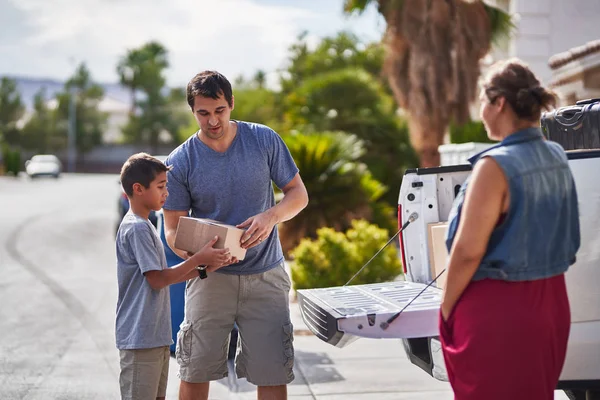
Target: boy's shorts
(144,373)
(259,304)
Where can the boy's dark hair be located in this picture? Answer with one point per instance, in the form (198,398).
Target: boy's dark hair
(140,168)
(209,84)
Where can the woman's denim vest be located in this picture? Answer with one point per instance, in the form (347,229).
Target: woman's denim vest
(539,235)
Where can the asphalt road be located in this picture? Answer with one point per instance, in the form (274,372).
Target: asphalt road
(57,302)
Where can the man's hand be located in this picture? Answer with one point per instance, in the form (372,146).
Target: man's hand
(259,227)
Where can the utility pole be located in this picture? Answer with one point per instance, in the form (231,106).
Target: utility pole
(72,141)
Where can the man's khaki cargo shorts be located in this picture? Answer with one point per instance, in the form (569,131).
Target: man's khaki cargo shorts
(259,304)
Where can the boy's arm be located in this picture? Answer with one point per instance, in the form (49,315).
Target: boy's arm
(169,276)
(191,275)
(208,255)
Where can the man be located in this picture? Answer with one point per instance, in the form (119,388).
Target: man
(225,172)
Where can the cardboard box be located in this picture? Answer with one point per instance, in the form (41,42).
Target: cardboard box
(438,254)
(193,233)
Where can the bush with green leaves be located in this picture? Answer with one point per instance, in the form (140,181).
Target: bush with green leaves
(334,257)
(340,187)
(473,131)
(12,160)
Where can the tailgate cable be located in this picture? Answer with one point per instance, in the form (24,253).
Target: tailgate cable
(412,218)
(384,325)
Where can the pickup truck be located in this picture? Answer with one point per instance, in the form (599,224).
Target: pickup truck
(343,314)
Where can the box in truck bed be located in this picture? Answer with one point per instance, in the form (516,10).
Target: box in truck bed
(438,253)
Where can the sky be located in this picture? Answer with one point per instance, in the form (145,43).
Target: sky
(48,38)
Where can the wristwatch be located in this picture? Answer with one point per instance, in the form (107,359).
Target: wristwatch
(202,271)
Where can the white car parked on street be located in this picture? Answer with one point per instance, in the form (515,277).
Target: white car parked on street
(43,164)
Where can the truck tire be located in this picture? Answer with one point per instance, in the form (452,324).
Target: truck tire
(583,394)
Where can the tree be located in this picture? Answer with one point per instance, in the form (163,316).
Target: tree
(141,69)
(339,186)
(256,105)
(179,116)
(151,120)
(39,133)
(433,49)
(344,50)
(354,101)
(90,122)
(260,79)
(11,110)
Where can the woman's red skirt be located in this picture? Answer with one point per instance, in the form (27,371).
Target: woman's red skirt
(507,340)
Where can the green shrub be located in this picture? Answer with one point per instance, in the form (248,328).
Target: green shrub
(340,187)
(12,160)
(473,131)
(334,257)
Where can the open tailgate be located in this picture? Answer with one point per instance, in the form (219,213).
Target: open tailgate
(340,315)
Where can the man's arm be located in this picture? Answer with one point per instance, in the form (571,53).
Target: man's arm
(295,199)
(171,221)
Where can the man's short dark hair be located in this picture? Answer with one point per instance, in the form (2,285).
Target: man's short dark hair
(209,84)
(140,168)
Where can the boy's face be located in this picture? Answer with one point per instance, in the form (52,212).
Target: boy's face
(155,196)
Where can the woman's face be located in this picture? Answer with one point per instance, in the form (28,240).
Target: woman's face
(490,114)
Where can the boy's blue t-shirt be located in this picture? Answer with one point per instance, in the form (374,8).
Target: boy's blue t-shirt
(232,186)
(143,314)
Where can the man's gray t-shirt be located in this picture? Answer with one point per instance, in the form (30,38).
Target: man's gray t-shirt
(232,186)
(143,314)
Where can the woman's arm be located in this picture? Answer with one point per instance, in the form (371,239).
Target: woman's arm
(485,200)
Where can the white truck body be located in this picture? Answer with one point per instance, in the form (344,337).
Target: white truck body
(432,201)
(341,315)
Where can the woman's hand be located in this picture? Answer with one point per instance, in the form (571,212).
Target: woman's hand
(445,310)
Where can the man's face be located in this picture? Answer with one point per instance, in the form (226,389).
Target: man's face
(212,116)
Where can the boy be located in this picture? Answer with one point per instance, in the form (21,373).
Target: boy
(143,323)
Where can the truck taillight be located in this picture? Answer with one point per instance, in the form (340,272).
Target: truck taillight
(400,239)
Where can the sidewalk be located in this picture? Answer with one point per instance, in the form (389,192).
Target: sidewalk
(364,370)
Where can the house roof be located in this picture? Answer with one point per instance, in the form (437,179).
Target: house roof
(561,59)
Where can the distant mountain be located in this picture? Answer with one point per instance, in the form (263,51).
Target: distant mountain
(28,87)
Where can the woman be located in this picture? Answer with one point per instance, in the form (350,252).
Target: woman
(513,232)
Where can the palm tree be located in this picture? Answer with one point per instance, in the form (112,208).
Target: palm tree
(260,79)
(433,49)
(142,70)
(139,67)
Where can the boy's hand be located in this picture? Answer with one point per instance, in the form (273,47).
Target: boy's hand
(208,255)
